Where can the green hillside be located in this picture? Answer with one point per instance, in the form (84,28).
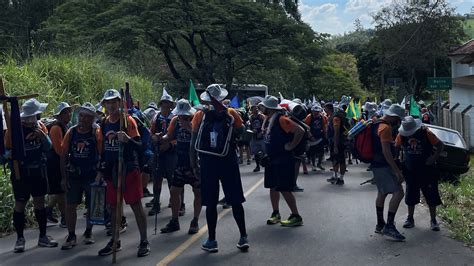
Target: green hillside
(469,28)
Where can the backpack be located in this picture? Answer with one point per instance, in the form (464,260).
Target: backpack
(303,145)
(363,148)
(215,133)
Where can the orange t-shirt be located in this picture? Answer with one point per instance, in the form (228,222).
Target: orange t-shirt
(385,133)
(66,143)
(197,119)
(287,124)
(430,135)
(308,121)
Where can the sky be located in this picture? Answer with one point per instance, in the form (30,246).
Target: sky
(338,16)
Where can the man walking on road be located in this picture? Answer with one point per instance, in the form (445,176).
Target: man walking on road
(214,132)
(337,122)
(387,175)
(281,136)
(133,190)
(417,143)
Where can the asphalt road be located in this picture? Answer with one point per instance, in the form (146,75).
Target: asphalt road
(338,230)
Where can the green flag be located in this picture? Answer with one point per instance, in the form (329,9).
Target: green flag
(414,108)
(357,110)
(351,110)
(193,98)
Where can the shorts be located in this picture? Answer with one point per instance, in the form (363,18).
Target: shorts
(386,180)
(226,169)
(257,146)
(133,189)
(79,187)
(280,174)
(31,183)
(166,165)
(428,184)
(340,157)
(54,180)
(185,176)
(316,150)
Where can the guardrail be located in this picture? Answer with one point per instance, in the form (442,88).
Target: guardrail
(461,120)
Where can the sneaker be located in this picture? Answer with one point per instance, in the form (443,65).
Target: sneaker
(243,244)
(71,241)
(155,210)
(332,180)
(143,249)
(321,167)
(147,193)
(172,226)
(108,249)
(409,223)
(293,220)
(52,220)
(47,242)
(150,203)
(193,227)
(274,219)
(210,246)
(19,245)
(340,181)
(63,224)
(123,228)
(298,189)
(391,233)
(434,225)
(257,169)
(379,228)
(88,239)
(182,210)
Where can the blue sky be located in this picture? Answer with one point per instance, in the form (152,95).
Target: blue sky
(338,16)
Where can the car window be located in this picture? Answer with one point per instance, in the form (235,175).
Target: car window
(448,137)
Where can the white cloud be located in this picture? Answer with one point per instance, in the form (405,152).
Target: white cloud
(324,18)
(356,6)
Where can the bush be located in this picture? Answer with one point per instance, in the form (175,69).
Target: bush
(70,78)
(458,208)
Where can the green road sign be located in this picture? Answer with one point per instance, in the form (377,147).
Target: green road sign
(439,84)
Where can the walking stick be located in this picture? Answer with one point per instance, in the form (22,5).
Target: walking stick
(118,211)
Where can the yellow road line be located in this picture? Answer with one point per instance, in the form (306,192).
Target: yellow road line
(186,244)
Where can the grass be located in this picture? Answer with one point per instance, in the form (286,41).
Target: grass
(458,209)
(469,28)
(73,78)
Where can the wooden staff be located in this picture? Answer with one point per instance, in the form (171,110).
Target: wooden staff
(16,164)
(118,211)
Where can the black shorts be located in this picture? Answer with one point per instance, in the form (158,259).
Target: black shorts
(226,170)
(424,181)
(54,180)
(316,150)
(280,174)
(185,176)
(79,187)
(340,157)
(166,165)
(32,183)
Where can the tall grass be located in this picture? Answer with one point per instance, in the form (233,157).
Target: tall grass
(458,207)
(71,78)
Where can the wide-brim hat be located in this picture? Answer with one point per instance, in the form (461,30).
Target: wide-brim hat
(152,105)
(386,103)
(110,94)
(87,108)
(166,98)
(316,108)
(183,108)
(32,107)
(409,126)
(61,107)
(271,102)
(395,110)
(216,91)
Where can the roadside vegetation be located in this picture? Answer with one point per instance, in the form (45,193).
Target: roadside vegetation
(458,209)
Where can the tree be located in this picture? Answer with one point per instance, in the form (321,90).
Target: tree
(412,37)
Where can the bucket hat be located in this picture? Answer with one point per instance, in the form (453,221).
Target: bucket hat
(110,94)
(87,108)
(216,91)
(409,126)
(183,108)
(271,102)
(61,106)
(395,110)
(32,107)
